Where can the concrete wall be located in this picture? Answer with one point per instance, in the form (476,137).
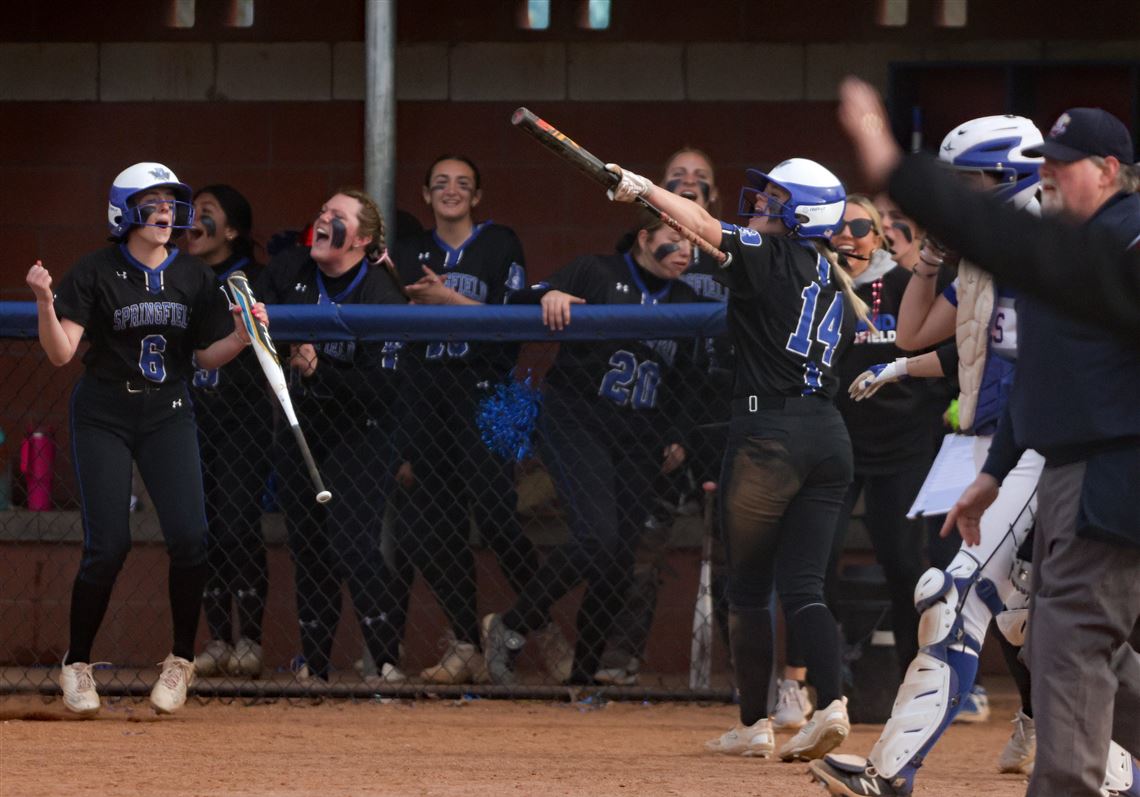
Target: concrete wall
(321,71)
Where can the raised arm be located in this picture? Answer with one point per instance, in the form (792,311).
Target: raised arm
(687,212)
(59,338)
(925,318)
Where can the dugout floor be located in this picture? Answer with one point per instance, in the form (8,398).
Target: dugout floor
(293,747)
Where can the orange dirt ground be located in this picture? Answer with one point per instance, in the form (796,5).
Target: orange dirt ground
(434,747)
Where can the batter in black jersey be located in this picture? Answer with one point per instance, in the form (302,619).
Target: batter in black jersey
(605,433)
(343,392)
(147,310)
(791,313)
(458,262)
(235,436)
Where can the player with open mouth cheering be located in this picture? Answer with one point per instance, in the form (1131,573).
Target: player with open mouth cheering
(148,310)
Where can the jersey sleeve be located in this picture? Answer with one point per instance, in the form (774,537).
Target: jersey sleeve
(750,259)
(385,289)
(513,276)
(75,296)
(573,278)
(951,293)
(406,257)
(274,285)
(579,278)
(210,319)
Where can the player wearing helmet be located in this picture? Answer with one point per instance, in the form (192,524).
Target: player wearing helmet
(791,312)
(956,605)
(148,311)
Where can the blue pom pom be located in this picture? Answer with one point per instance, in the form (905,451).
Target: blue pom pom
(506,418)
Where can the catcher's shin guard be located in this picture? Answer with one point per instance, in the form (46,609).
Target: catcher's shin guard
(944,668)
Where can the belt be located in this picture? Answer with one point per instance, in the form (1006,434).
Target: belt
(745,405)
(136,384)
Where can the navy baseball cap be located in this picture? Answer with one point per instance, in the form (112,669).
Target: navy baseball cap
(1081,132)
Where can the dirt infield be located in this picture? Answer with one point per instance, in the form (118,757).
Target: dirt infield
(479,747)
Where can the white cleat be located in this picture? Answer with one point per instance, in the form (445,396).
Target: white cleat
(78,684)
(169,694)
(215,659)
(793,706)
(757,740)
(246,659)
(462,663)
(1021,750)
(825,731)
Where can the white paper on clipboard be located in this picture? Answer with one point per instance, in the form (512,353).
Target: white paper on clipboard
(952,472)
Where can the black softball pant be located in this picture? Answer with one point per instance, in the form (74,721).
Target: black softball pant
(339,541)
(155,428)
(631,628)
(235,436)
(603,464)
(898,543)
(786,472)
(455,473)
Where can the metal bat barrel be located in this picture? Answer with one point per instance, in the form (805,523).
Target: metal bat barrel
(562,145)
(589,164)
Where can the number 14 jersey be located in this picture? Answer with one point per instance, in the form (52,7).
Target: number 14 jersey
(787,315)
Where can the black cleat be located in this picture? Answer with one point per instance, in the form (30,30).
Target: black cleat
(854,777)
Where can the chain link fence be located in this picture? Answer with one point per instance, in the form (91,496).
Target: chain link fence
(500,474)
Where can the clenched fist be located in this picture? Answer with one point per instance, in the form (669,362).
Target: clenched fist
(39,280)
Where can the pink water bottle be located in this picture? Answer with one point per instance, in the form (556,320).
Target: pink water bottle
(37,458)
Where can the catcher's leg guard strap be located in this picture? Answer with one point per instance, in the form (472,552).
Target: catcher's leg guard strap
(934,682)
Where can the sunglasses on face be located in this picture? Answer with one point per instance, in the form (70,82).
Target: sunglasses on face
(860,228)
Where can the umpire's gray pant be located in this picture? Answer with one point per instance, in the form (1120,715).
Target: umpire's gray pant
(1086,675)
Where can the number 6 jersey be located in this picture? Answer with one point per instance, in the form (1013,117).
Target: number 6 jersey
(143,322)
(788,318)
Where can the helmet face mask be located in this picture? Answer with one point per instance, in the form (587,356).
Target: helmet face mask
(815,203)
(123,210)
(758,202)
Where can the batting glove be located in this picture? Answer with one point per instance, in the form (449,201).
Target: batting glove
(631,186)
(868,383)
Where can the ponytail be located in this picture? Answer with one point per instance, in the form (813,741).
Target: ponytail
(862,312)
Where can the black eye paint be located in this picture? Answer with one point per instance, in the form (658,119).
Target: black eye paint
(210,226)
(673,185)
(145,212)
(338,233)
(663,251)
(905,230)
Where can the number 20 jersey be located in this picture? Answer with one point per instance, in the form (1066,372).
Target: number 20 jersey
(626,373)
(787,315)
